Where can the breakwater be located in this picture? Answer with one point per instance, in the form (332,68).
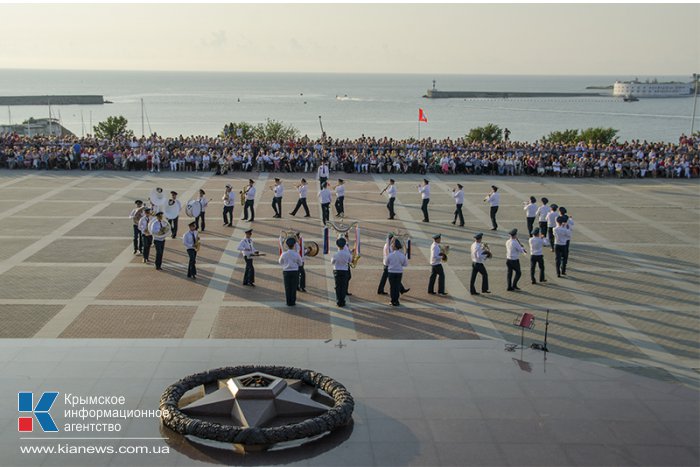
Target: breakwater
(53,100)
(435,94)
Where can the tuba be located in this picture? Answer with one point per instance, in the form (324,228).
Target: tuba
(164,228)
(138,215)
(157,197)
(171,211)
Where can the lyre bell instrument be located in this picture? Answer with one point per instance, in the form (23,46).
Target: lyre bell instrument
(193,208)
(157,197)
(487,250)
(444,250)
(171,210)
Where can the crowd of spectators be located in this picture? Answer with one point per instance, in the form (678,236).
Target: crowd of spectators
(629,159)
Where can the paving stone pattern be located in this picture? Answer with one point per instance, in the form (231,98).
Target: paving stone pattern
(630,299)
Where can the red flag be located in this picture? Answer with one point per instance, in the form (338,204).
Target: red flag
(421,116)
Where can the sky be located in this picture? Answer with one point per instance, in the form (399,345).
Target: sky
(547,39)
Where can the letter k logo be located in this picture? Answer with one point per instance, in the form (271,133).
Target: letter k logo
(25,403)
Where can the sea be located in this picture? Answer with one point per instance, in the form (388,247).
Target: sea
(345,105)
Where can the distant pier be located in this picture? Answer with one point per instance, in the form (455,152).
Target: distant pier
(435,94)
(53,100)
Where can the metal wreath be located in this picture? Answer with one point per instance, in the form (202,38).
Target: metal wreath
(337,416)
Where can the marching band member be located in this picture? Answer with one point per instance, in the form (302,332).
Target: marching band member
(248,251)
(494,199)
(340,198)
(299,246)
(478,257)
(552,223)
(541,216)
(391,192)
(385,274)
(204,202)
(347,248)
(513,251)
(561,236)
(278,191)
(249,201)
(437,271)
(157,227)
(135,217)
(341,271)
(537,242)
(323,173)
(146,235)
(302,188)
(395,263)
(531,214)
(325,197)
(189,239)
(458,195)
(424,191)
(290,261)
(229,200)
(569,225)
(173,222)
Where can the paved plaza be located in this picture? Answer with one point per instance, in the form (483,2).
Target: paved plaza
(630,299)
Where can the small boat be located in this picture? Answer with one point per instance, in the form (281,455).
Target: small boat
(630,98)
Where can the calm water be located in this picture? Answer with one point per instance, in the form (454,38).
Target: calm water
(377,105)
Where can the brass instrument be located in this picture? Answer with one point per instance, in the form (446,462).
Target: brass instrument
(197,244)
(444,250)
(355,258)
(486,198)
(243,193)
(487,250)
(138,215)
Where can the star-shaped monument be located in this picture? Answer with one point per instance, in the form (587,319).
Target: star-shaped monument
(255,399)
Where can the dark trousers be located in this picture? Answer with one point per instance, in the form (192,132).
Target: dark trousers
(249,205)
(550,234)
(479,268)
(339,205)
(513,266)
(536,260)
(160,248)
(530,225)
(562,257)
(173,227)
(228,215)
(325,212)
(199,222)
(494,210)
(382,281)
(147,242)
(424,208)
(277,205)
(249,273)
(543,228)
(458,213)
(322,181)
(302,278)
(341,286)
(390,207)
(301,203)
(439,273)
(192,265)
(291,280)
(395,286)
(138,243)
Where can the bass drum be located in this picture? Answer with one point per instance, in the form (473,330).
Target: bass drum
(193,208)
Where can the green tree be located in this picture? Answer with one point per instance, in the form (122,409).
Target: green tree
(232,130)
(491,133)
(113,127)
(563,137)
(271,130)
(598,135)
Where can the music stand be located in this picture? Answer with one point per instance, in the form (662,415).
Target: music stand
(524,321)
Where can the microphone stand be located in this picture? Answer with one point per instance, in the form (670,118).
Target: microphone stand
(546,328)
